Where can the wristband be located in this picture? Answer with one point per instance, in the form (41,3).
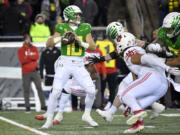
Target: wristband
(85,45)
(57,39)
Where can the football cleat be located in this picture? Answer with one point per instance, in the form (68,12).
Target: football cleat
(48,123)
(87,118)
(39,117)
(134,118)
(58,118)
(107,117)
(56,122)
(138,126)
(157,108)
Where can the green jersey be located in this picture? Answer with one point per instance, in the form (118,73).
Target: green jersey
(172,43)
(73,49)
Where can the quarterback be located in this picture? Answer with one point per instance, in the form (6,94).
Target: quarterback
(70,63)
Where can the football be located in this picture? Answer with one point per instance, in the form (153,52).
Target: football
(68,38)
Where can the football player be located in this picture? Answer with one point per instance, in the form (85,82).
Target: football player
(71,87)
(146,69)
(112,28)
(71,62)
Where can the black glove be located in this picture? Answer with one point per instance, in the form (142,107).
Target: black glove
(96,59)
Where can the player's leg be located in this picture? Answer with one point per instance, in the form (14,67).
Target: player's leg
(143,87)
(62,74)
(157,108)
(82,76)
(108,114)
(62,102)
(136,90)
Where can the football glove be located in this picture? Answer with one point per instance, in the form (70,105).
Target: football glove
(173,70)
(96,59)
(154,47)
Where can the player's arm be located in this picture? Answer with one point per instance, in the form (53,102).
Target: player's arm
(93,71)
(147,59)
(110,56)
(53,40)
(89,44)
(174,61)
(90,41)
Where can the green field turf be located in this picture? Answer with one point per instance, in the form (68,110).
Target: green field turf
(72,124)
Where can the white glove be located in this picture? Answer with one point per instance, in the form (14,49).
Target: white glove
(154,47)
(173,70)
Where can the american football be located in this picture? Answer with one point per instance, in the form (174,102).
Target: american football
(68,38)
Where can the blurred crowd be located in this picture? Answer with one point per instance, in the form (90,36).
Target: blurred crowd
(38,17)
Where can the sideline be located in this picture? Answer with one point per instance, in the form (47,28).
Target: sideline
(23,126)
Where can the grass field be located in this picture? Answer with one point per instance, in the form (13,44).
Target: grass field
(72,124)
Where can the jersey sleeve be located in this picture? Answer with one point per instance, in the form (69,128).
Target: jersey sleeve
(162,34)
(129,53)
(60,28)
(86,28)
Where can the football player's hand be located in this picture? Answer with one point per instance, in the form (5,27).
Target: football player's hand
(68,37)
(154,47)
(173,70)
(96,59)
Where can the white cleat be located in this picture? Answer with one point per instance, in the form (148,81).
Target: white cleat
(58,118)
(157,108)
(87,118)
(48,123)
(134,118)
(107,117)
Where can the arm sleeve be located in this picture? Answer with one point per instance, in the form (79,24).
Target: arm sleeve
(113,55)
(152,60)
(103,68)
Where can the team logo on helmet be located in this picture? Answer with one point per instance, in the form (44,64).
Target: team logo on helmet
(113,29)
(127,40)
(70,12)
(172,21)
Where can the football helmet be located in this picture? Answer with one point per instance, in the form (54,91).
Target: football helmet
(126,40)
(113,29)
(70,13)
(172,24)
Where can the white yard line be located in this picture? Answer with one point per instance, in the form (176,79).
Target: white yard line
(23,126)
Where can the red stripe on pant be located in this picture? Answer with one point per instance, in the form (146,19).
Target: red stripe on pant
(137,83)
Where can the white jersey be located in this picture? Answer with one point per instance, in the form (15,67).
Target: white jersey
(139,70)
